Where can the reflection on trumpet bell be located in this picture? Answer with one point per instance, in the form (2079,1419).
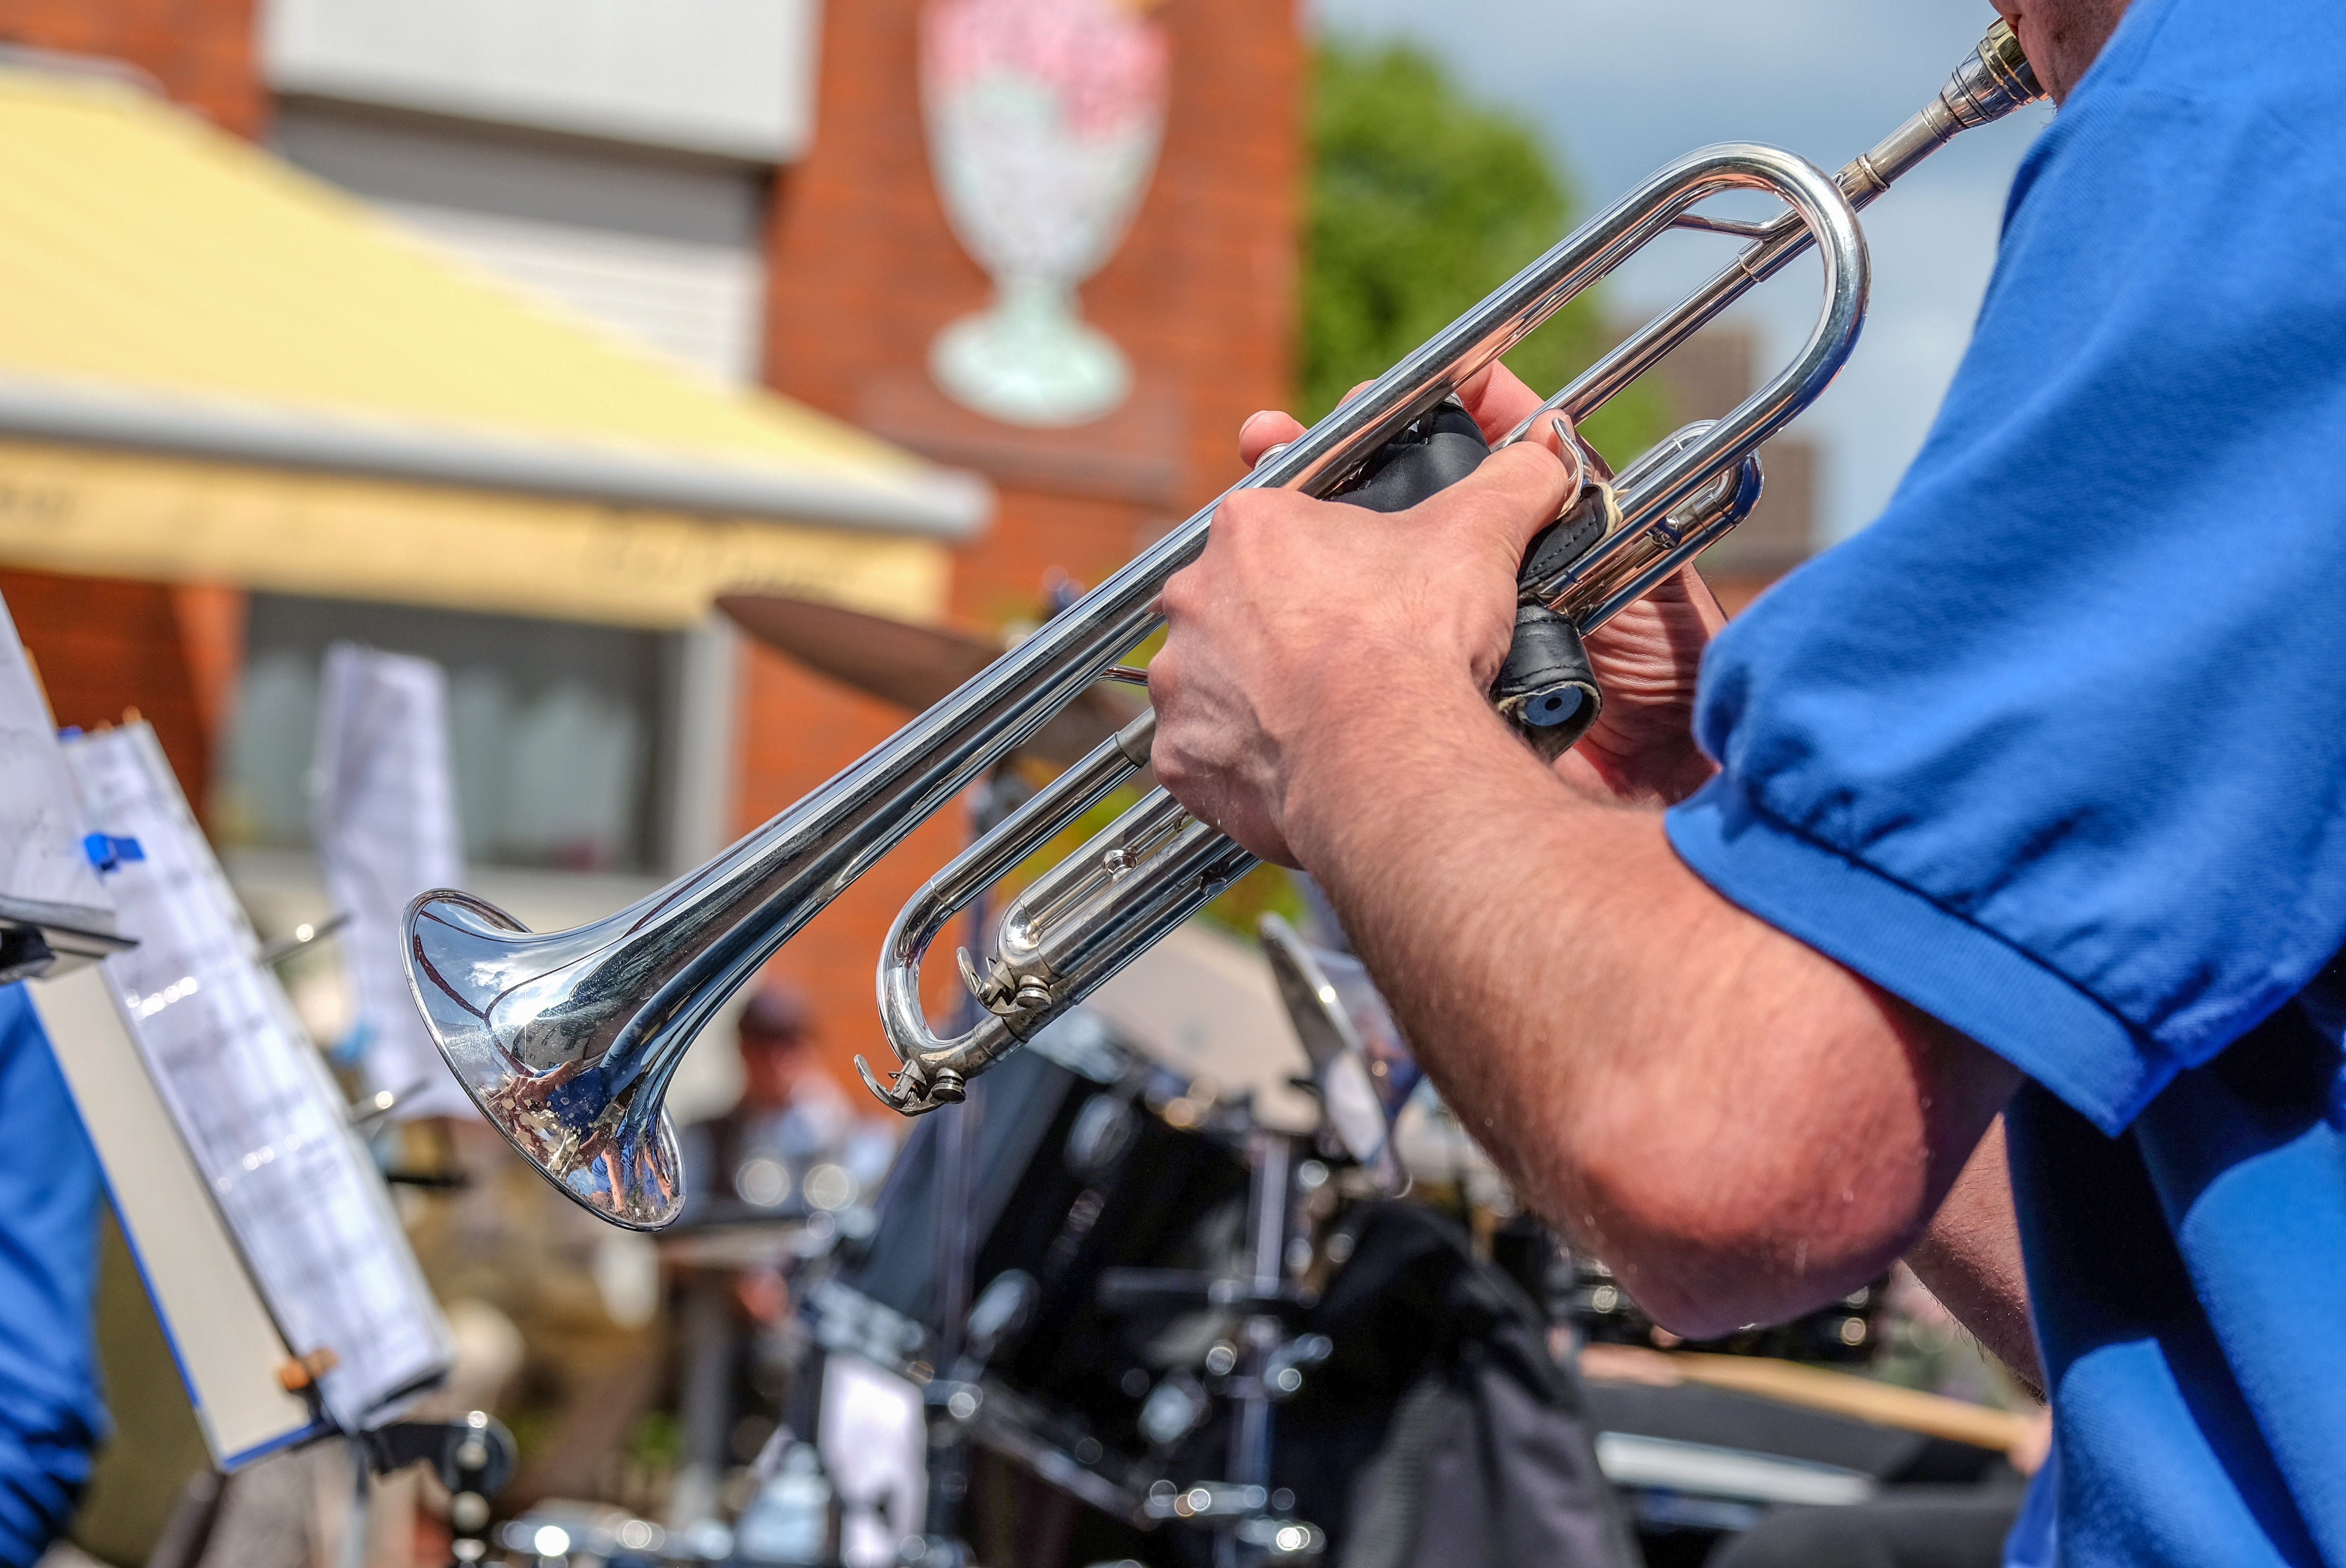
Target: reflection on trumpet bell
(594,1131)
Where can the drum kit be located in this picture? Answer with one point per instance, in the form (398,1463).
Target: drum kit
(1259,1300)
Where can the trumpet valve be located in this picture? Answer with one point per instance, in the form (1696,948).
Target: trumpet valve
(992,988)
(913,1094)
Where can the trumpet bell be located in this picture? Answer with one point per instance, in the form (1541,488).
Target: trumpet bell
(518,1019)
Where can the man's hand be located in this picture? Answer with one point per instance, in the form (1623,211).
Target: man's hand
(1646,657)
(1302,612)
(1298,610)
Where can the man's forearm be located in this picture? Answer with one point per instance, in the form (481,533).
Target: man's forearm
(1970,1259)
(1725,1115)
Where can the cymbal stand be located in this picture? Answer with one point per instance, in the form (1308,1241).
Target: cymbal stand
(940,1544)
(1270,1157)
(1248,1517)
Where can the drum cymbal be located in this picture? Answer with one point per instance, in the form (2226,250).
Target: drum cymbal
(914,667)
(1203,1005)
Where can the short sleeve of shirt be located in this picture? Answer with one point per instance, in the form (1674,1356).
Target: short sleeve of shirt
(2057,749)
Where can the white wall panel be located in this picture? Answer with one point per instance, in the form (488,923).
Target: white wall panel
(732,77)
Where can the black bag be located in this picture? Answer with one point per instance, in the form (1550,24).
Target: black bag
(1441,1434)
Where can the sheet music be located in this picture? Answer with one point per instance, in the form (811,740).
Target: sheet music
(386,830)
(250,1095)
(44,874)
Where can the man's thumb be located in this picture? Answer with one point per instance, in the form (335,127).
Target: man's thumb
(1516,492)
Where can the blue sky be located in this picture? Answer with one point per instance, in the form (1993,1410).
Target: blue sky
(1621,87)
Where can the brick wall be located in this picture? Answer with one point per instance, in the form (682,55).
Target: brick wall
(104,646)
(865,272)
(202,52)
(1201,294)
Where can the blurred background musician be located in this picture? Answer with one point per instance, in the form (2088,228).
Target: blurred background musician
(790,1154)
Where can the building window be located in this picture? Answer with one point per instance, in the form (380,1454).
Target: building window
(557,731)
(663,250)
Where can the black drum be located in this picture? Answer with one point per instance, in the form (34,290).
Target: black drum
(1089,1159)
(1427,1407)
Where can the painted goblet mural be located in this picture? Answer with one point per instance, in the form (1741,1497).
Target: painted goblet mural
(1043,119)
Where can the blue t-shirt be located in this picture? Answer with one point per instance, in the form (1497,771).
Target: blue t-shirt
(50,1414)
(2056,751)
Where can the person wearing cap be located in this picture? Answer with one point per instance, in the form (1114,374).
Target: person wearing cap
(774,1170)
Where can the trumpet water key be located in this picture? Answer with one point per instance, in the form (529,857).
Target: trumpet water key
(566,1040)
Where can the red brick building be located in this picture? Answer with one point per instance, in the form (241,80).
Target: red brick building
(853,269)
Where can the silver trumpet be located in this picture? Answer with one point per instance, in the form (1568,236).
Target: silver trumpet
(566,1040)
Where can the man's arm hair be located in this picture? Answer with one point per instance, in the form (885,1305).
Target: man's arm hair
(1739,1126)
(1970,1259)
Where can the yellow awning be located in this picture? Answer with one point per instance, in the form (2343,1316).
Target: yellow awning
(214,367)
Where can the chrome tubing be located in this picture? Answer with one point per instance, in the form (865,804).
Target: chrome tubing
(1084,919)
(1095,912)
(1081,922)
(566,1040)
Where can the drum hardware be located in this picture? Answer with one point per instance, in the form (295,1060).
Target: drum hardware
(1362,1091)
(849,1322)
(1098,1352)
(302,936)
(1262,1364)
(967,1333)
(472,1456)
(568,1040)
(1128,1290)
(1024,1431)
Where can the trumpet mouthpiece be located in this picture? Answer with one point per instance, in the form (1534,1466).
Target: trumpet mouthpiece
(1997,80)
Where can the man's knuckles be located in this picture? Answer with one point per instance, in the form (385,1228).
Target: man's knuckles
(1498,400)
(1181,599)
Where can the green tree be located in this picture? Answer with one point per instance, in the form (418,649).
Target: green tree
(1420,203)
